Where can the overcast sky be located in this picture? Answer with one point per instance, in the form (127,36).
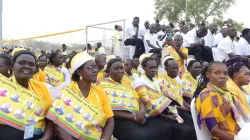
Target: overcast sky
(27,18)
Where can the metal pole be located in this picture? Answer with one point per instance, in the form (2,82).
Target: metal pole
(105,23)
(86,32)
(103,28)
(186,11)
(1,22)
(123,38)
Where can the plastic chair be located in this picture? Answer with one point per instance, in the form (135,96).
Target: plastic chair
(203,133)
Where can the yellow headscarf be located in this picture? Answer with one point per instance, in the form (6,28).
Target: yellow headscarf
(143,56)
(16,50)
(109,57)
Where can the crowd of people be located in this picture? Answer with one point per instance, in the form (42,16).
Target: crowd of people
(59,95)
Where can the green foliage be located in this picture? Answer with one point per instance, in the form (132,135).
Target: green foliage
(238,25)
(198,10)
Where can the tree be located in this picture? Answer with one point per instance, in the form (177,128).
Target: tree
(238,25)
(198,10)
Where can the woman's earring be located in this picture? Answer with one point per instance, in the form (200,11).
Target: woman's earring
(80,77)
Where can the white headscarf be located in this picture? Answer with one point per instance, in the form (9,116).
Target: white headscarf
(78,60)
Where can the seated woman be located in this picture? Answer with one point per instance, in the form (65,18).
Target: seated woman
(100,62)
(128,76)
(54,72)
(82,111)
(103,74)
(190,80)
(136,64)
(172,87)
(217,109)
(177,52)
(5,65)
(155,57)
(130,120)
(24,102)
(239,77)
(157,104)
(40,75)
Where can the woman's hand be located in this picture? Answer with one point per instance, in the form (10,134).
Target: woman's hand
(139,118)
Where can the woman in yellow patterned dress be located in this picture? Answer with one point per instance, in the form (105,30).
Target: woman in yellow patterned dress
(157,105)
(171,87)
(128,76)
(190,80)
(24,102)
(177,52)
(55,75)
(217,109)
(136,65)
(130,115)
(40,75)
(82,110)
(100,62)
(239,77)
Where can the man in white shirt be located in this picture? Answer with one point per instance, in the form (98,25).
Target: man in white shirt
(183,31)
(197,45)
(218,37)
(132,38)
(226,48)
(162,35)
(211,31)
(242,45)
(145,30)
(151,41)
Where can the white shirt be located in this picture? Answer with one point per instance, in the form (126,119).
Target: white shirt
(143,31)
(66,74)
(101,50)
(130,31)
(152,39)
(209,38)
(64,52)
(242,46)
(225,47)
(218,37)
(160,34)
(185,43)
(192,37)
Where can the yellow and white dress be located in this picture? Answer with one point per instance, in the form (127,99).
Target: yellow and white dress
(151,95)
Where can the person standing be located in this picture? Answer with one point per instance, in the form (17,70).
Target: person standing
(117,41)
(145,30)
(132,38)
(243,44)
(211,31)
